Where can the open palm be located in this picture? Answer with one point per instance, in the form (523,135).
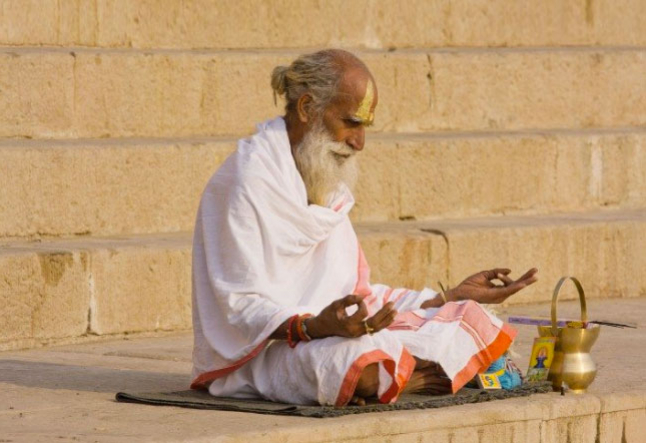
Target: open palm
(480,287)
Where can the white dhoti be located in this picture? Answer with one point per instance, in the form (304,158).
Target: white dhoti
(461,337)
(261,254)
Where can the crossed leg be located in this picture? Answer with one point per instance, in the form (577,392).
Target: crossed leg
(427,378)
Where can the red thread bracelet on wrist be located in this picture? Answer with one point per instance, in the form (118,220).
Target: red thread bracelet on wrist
(299,327)
(290,323)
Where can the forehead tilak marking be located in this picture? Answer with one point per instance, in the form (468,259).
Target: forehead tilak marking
(364,107)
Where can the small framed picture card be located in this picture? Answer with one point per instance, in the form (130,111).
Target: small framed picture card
(541,358)
(488,381)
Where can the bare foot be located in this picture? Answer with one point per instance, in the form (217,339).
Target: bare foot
(358,401)
(428,378)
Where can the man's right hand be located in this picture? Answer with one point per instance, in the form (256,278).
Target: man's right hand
(335,321)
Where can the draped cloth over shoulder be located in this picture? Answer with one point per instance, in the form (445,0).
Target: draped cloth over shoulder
(261,254)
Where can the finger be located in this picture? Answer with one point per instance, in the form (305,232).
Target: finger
(436,381)
(499,294)
(350,300)
(440,389)
(503,271)
(342,303)
(384,322)
(433,383)
(505,279)
(504,292)
(493,273)
(437,391)
(385,315)
(383,312)
(514,286)
(361,313)
(529,275)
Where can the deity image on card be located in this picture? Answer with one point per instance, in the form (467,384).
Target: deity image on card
(541,358)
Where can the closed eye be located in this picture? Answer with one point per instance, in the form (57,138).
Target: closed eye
(353,122)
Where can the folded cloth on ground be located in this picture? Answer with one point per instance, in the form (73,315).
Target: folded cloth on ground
(203,400)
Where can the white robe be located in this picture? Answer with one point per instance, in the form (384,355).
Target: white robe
(261,254)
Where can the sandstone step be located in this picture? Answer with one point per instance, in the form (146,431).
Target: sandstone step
(76,93)
(52,291)
(130,186)
(481,174)
(298,23)
(66,393)
(104,187)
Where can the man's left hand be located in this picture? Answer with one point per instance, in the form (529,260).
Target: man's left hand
(481,288)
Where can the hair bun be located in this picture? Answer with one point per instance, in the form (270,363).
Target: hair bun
(279,79)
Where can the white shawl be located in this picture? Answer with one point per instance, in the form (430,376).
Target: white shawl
(262,254)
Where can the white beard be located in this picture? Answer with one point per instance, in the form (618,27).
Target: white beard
(324,165)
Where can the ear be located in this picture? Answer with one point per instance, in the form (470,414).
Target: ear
(304,108)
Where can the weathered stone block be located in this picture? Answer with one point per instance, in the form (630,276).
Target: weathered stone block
(144,186)
(482,91)
(280,23)
(43,295)
(37,94)
(104,188)
(141,288)
(67,288)
(423,177)
(412,259)
(596,253)
(64,289)
(162,94)
(622,426)
(581,429)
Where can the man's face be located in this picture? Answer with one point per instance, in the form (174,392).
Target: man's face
(352,110)
(326,155)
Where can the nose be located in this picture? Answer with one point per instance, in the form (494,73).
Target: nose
(357,139)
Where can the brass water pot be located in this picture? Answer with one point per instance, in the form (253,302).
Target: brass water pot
(572,363)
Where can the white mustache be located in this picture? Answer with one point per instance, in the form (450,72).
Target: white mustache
(342,149)
(324,164)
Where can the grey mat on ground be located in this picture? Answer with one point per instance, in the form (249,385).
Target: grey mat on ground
(203,400)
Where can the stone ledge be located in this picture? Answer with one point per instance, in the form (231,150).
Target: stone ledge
(68,392)
(279,23)
(122,94)
(69,288)
(114,186)
(59,289)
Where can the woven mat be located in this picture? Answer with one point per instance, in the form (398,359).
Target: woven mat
(203,400)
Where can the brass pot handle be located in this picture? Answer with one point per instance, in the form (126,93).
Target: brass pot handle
(555,296)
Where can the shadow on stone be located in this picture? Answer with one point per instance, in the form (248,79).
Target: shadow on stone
(82,378)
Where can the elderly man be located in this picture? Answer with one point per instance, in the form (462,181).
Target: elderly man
(283,308)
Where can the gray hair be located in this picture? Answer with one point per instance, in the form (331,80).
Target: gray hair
(317,74)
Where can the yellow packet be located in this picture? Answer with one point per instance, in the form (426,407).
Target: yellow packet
(488,381)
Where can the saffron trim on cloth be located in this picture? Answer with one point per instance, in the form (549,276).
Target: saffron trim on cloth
(477,319)
(406,367)
(202,381)
(483,359)
(407,321)
(400,378)
(363,275)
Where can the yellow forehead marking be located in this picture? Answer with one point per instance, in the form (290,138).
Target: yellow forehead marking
(363,112)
